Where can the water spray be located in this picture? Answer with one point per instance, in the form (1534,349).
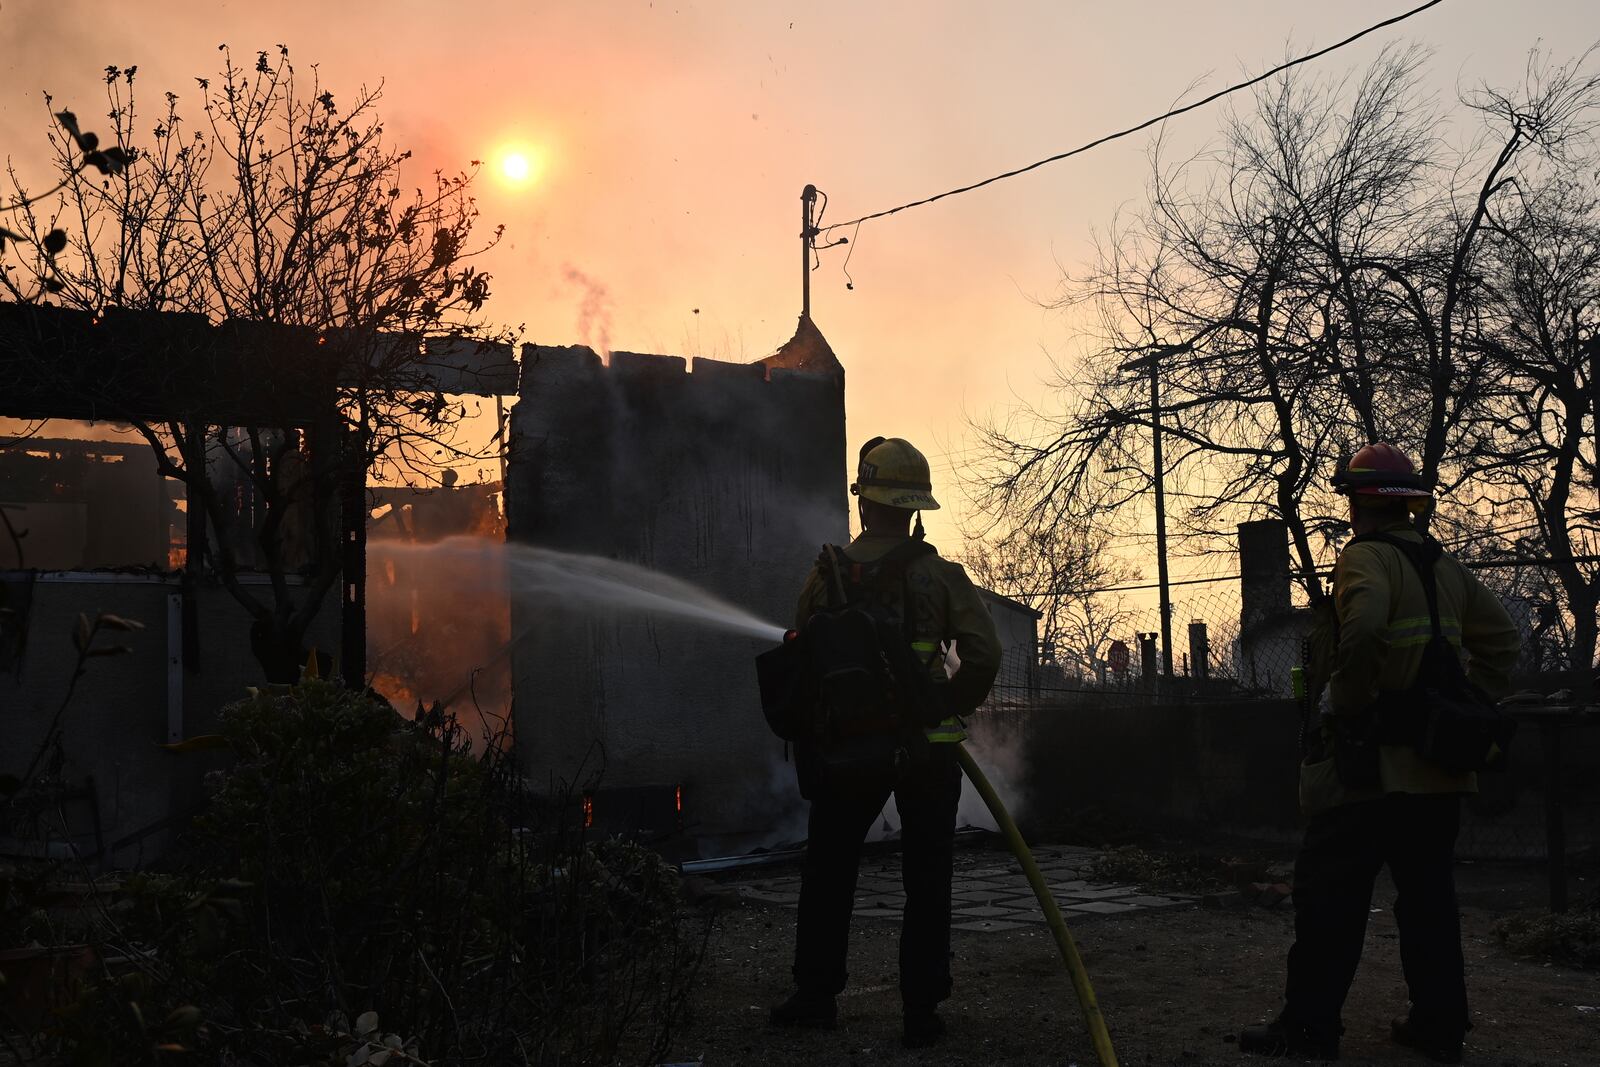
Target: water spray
(578,581)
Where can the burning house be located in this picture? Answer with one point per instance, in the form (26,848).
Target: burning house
(726,476)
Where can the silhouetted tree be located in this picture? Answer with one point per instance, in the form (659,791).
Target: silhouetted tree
(280,205)
(1532,450)
(1062,569)
(1314,280)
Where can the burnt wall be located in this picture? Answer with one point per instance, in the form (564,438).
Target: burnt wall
(729,476)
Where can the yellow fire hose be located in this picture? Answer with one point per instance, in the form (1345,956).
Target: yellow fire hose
(1052,914)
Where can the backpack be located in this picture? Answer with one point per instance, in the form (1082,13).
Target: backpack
(847,685)
(1443,716)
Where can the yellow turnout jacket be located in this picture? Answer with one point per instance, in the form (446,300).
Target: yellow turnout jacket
(1383,626)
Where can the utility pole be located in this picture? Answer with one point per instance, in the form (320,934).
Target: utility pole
(1152,363)
(808,234)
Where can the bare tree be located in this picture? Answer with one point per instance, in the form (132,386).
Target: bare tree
(1315,280)
(279,206)
(1061,569)
(1533,449)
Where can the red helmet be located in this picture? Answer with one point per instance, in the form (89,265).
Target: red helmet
(1380,469)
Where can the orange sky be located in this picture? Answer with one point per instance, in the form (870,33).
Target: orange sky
(675,138)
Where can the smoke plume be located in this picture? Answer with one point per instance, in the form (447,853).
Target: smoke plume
(594,312)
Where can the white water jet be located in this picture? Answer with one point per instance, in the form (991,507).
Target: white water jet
(579,581)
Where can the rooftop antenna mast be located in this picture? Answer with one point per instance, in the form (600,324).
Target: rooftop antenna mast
(808,237)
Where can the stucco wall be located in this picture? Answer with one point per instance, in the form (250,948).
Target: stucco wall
(728,476)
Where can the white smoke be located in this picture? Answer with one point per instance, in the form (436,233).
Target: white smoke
(998,749)
(594,313)
(790,822)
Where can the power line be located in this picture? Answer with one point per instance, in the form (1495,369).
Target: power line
(1476,565)
(1123,588)
(1135,129)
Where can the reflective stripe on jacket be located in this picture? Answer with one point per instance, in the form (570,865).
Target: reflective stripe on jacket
(949,730)
(945,609)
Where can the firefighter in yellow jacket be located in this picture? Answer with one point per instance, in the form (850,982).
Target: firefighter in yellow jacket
(1372,803)
(893,483)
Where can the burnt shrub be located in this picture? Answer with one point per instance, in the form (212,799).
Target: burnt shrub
(1571,938)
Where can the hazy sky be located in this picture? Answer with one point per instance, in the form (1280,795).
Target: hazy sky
(672,141)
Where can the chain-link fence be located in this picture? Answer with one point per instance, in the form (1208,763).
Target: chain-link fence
(1218,654)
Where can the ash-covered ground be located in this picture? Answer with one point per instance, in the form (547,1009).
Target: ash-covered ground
(1176,980)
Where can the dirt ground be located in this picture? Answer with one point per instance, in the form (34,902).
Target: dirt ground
(1175,985)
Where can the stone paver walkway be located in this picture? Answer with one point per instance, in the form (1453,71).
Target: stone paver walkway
(990,892)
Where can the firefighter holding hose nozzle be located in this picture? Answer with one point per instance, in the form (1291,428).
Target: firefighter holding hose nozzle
(863,692)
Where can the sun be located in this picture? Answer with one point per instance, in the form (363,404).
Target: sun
(518,166)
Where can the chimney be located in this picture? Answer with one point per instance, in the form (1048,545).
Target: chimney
(1149,663)
(1263,572)
(1199,651)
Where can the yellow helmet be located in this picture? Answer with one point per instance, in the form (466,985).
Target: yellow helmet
(892,472)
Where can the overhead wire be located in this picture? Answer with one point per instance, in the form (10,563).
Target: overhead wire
(1475,564)
(1173,113)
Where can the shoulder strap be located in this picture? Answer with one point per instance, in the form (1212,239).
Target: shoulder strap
(1423,556)
(832,564)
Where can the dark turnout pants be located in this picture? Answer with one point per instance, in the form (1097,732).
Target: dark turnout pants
(1333,880)
(927,799)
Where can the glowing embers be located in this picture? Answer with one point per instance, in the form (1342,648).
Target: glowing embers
(647,813)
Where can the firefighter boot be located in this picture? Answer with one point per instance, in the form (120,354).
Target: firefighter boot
(818,1011)
(923,1028)
(1282,1037)
(1433,1046)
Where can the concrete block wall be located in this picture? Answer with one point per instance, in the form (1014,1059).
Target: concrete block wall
(730,476)
(1233,768)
